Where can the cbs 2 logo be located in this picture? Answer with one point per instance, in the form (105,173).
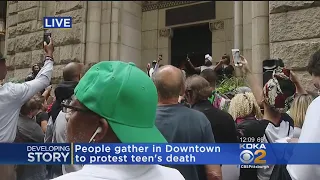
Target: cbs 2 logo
(246,156)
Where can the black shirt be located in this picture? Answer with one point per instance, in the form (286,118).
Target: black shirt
(42,116)
(225,72)
(222,123)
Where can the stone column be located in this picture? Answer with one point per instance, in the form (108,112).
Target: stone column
(105,30)
(115,30)
(238,29)
(93,32)
(164,44)
(260,36)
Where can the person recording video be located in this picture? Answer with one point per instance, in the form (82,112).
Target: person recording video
(224,68)
(34,73)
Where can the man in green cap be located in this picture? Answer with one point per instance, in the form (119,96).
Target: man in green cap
(115,102)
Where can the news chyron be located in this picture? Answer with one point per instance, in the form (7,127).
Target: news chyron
(57,22)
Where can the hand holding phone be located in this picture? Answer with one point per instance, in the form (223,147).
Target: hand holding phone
(46,38)
(236,57)
(48,44)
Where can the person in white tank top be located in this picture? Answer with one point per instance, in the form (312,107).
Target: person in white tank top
(207,64)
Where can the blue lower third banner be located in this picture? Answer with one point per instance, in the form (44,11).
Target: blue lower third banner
(96,153)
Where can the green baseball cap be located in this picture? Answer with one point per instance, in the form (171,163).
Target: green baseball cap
(125,96)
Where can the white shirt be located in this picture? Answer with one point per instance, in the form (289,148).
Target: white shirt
(151,71)
(123,172)
(309,134)
(14,95)
(202,68)
(272,134)
(60,136)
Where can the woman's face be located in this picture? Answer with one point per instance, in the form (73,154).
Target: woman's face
(36,68)
(34,113)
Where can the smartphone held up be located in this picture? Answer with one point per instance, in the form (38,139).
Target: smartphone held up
(236,57)
(46,38)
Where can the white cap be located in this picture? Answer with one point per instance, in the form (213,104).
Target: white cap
(207,56)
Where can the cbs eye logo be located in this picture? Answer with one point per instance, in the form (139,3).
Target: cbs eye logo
(246,156)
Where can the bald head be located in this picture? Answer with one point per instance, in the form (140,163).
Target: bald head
(72,71)
(169,81)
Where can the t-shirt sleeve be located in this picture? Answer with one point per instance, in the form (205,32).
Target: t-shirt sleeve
(43,116)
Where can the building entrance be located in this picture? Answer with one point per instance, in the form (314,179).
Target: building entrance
(194,41)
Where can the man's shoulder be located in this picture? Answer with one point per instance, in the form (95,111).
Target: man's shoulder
(253,127)
(157,173)
(315,102)
(168,173)
(194,113)
(70,176)
(10,88)
(221,112)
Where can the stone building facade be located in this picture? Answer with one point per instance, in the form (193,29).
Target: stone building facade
(138,31)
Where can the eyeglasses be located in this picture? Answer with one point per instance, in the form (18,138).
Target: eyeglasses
(68,109)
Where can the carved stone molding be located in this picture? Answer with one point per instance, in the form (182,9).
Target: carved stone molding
(152,5)
(166,33)
(217,25)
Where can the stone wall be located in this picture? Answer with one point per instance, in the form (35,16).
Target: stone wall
(295,34)
(156,37)
(223,30)
(126,32)
(247,31)
(24,38)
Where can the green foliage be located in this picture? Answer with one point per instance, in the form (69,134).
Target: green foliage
(230,84)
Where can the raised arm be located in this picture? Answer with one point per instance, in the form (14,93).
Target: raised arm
(252,80)
(196,69)
(24,91)
(218,66)
(295,80)
(156,67)
(46,93)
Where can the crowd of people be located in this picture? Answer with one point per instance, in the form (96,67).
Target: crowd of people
(116,102)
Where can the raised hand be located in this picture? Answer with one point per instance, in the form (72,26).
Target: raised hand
(49,48)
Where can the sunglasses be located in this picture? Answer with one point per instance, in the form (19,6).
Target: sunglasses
(68,109)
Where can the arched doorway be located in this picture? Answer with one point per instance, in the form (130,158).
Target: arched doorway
(194,41)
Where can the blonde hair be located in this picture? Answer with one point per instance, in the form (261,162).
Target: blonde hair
(299,108)
(243,105)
